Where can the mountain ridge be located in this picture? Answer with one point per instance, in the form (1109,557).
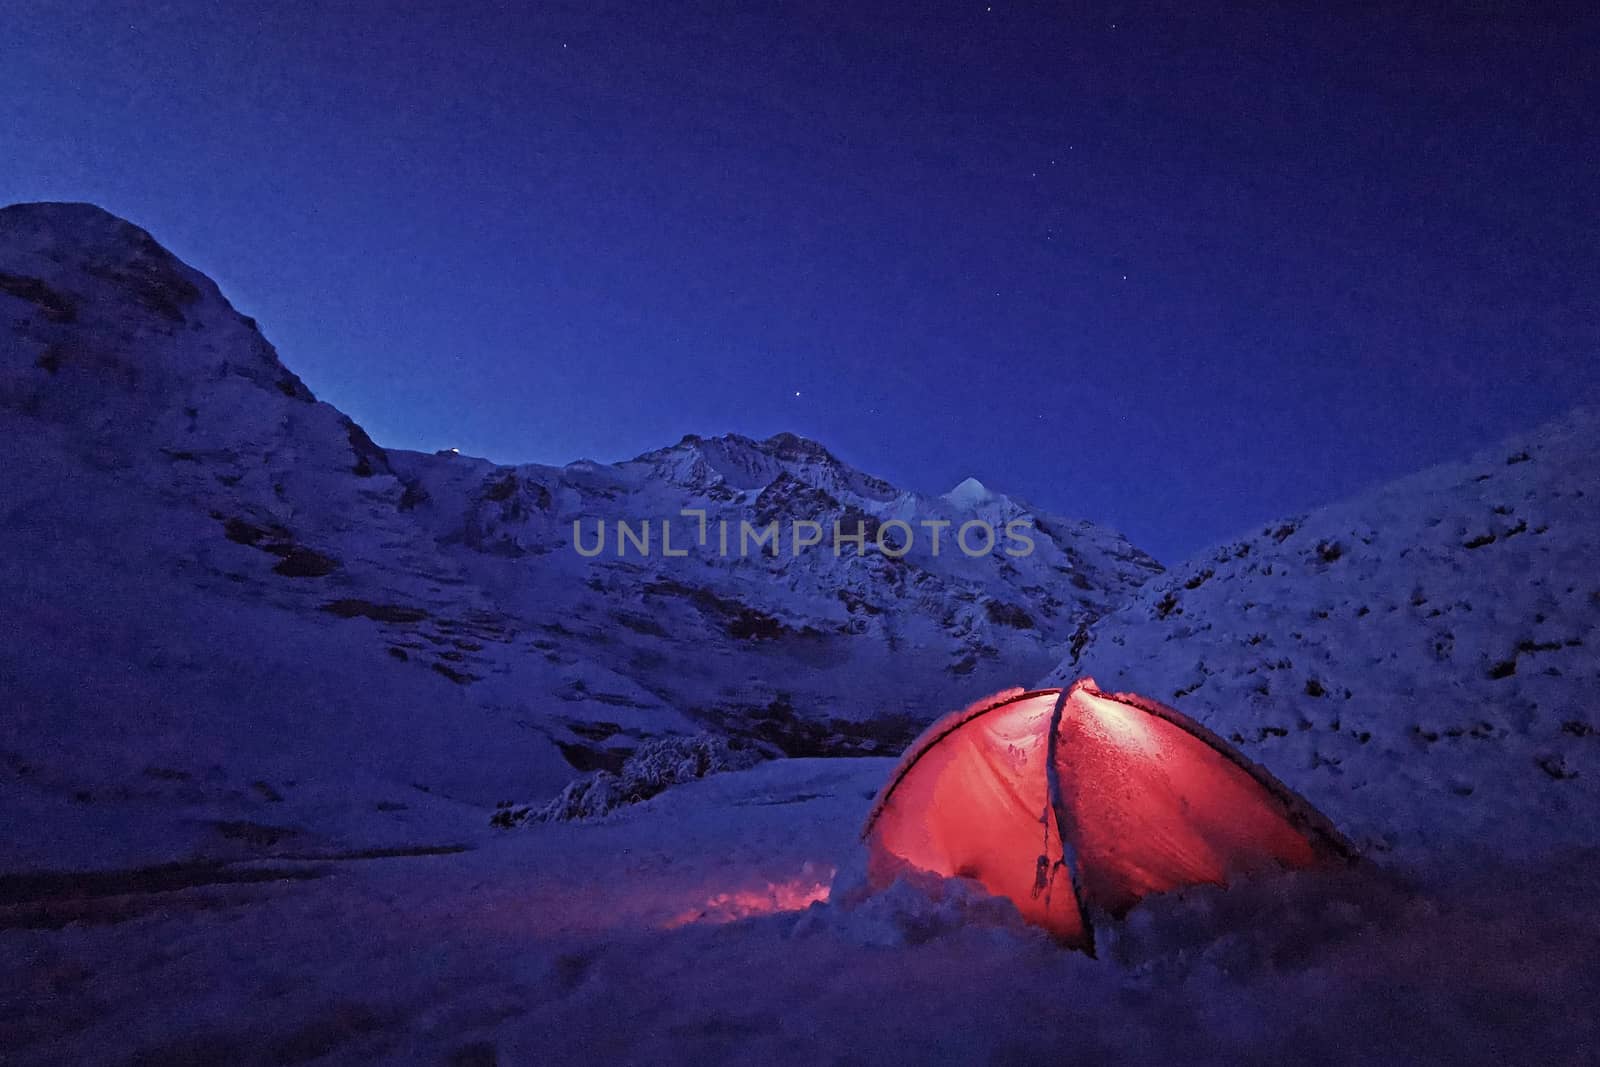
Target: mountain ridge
(222,577)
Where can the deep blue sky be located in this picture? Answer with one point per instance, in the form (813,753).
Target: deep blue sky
(1172,267)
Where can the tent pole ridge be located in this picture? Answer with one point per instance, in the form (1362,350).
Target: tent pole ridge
(1069,854)
(1042,871)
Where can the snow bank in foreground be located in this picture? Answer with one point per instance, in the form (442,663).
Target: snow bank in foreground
(915,908)
(565,943)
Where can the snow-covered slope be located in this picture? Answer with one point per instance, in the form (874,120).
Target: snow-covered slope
(224,600)
(1421,662)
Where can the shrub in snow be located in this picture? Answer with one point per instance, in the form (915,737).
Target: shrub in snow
(653,767)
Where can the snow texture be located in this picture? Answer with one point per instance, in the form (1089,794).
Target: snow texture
(264,684)
(688,930)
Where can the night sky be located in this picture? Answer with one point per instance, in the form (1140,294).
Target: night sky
(1174,268)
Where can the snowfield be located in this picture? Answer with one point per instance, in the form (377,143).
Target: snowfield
(656,936)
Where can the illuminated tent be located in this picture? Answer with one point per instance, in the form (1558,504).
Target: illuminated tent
(1072,801)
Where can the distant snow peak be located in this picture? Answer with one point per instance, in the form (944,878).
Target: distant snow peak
(969,494)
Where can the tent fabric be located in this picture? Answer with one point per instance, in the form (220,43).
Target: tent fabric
(1072,800)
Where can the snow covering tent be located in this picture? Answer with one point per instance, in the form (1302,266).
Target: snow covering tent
(1072,800)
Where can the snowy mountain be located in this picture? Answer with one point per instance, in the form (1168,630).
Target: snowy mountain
(261,681)
(226,601)
(765,637)
(1420,661)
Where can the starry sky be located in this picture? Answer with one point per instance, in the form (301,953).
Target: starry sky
(1181,268)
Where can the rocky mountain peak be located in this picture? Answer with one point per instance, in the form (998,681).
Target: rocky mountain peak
(75,233)
(96,296)
(792,446)
(77,251)
(735,463)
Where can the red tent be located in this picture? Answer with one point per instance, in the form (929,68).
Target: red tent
(1071,800)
